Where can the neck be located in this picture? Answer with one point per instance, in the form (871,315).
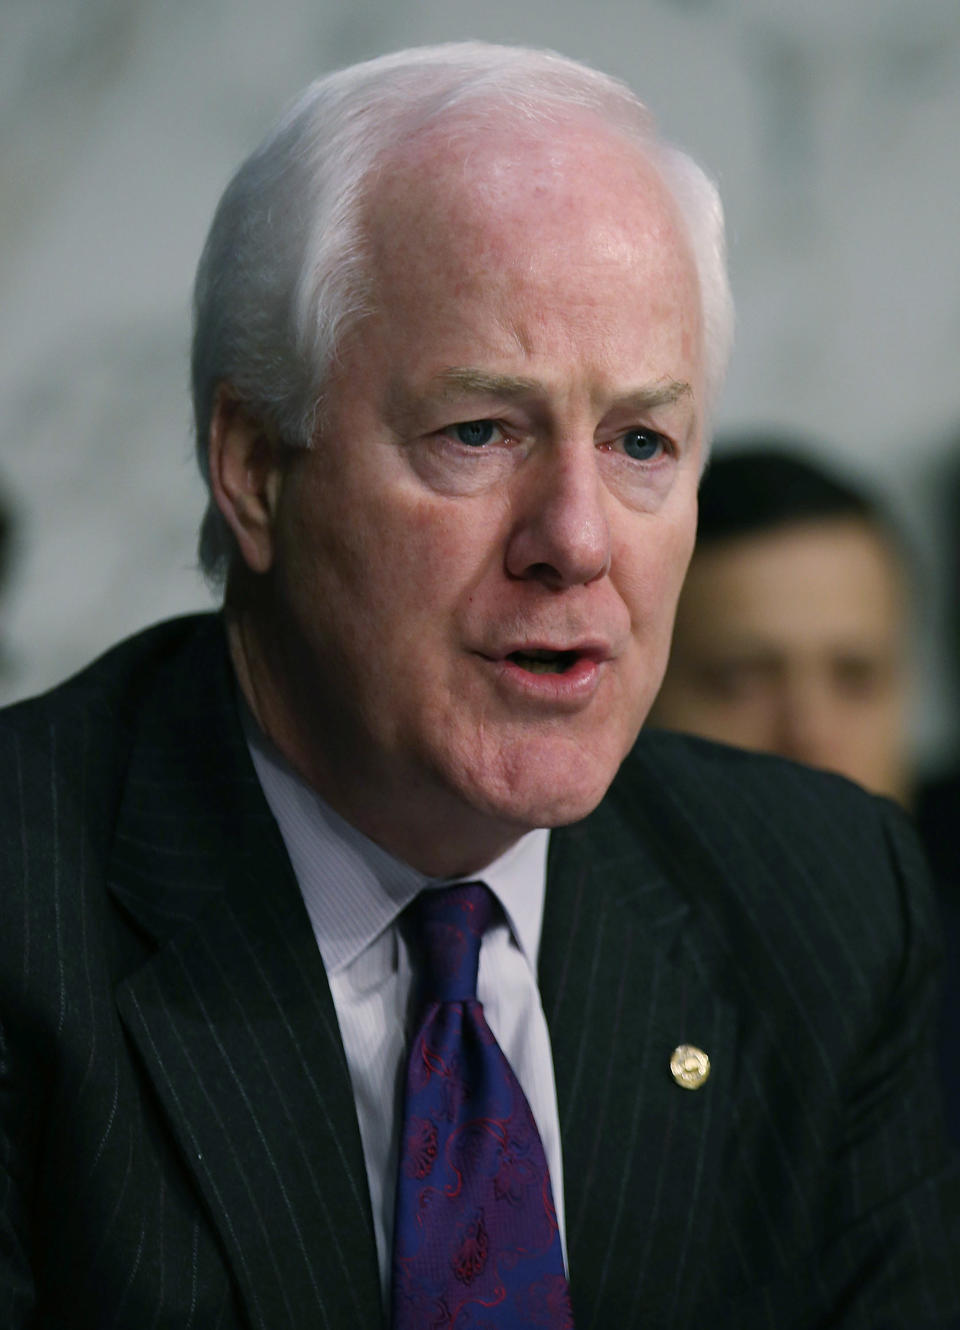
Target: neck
(414,818)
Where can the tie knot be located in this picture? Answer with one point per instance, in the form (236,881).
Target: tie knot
(450,923)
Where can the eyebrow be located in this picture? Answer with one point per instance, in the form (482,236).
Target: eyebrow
(465,379)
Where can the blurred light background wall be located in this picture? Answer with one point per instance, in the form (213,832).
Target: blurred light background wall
(833,127)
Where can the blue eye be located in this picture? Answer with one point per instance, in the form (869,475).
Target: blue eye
(474,433)
(642,444)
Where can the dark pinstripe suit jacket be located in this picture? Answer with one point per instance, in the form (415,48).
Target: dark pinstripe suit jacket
(179,1145)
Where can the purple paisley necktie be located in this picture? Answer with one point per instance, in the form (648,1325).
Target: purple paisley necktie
(476,1243)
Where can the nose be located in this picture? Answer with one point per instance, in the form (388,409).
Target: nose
(807,728)
(561,532)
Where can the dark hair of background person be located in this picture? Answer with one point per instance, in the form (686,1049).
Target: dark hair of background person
(766,483)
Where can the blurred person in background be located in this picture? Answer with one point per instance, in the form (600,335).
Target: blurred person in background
(792,636)
(792,630)
(938,796)
(937,805)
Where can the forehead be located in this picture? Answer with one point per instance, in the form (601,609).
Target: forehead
(485,206)
(797,582)
(494,161)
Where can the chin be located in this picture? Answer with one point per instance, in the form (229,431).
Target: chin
(553,794)
(564,812)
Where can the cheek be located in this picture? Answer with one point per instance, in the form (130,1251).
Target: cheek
(652,573)
(403,559)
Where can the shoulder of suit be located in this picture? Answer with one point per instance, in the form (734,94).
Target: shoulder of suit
(112,685)
(720,775)
(740,822)
(78,735)
(767,851)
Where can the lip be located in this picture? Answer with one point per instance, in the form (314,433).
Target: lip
(570,690)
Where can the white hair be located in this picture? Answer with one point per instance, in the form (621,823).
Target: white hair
(283,273)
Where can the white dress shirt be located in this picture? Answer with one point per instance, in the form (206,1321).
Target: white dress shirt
(354,892)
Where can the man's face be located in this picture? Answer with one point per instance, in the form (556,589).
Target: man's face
(476,566)
(792,642)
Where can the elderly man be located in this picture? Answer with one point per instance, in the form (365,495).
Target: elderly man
(459,324)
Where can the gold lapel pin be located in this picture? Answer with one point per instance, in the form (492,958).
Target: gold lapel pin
(689,1066)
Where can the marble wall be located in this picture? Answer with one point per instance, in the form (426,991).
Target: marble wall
(832,128)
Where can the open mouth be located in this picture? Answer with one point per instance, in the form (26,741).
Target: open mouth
(544,662)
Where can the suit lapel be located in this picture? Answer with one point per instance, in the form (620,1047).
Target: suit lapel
(232,1015)
(621,980)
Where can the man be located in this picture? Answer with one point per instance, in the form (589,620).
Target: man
(791,634)
(459,322)
(791,637)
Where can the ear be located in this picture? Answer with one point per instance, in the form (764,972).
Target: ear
(245,456)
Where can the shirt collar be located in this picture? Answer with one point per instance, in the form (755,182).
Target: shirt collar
(518,879)
(354,890)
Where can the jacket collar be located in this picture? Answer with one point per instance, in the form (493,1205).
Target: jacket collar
(624,978)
